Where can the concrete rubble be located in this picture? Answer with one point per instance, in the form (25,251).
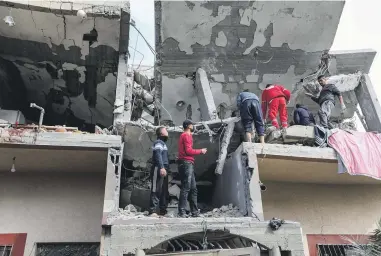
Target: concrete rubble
(131,211)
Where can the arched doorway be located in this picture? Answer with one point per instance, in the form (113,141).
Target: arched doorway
(210,241)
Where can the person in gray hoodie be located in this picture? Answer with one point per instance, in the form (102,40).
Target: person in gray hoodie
(326,100)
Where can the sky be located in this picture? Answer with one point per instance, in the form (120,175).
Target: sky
(357,29)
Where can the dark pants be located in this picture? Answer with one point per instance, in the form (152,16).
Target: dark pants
(251,112)
(188,187)
(325,112)
(159,191)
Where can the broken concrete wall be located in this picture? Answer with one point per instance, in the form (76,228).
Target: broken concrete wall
(240,44)
(231,187)
(130,235)
(64,63)
(139,139)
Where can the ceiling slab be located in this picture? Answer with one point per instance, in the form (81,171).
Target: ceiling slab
(34,159)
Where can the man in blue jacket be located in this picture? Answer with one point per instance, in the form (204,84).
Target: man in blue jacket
(159,177)
(250,111)
(302,116)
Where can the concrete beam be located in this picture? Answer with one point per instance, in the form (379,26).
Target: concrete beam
(300,153)
(255,196)
(149,232)
(124,31)
(224,147)
(249,251)
(56,139)
(112,10)
(205,96)
(369,103)
(347,62)
(123,93)
(112,184)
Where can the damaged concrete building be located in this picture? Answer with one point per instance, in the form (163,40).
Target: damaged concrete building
(71,59)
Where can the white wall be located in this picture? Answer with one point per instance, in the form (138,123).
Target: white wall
(325,209)
(52,207)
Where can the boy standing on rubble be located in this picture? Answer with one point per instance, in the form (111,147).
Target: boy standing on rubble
(250,111)
(159,177)
(274,100)
(326,100)
(186,170)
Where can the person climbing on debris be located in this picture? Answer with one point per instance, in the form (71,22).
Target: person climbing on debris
(250,111)
(159,174)
(326,100)
(186,170)
(274,100)
(302,116)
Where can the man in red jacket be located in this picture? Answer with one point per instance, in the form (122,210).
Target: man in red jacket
(186,170)
(274,99)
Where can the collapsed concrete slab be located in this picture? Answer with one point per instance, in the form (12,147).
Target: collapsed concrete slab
(239,184)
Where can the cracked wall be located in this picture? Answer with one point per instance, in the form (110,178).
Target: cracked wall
(241,44)
(63,63)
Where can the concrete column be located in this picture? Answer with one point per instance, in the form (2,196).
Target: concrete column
(205,96)
(112,184)
(123,93)
(275,251)
(369,103)
(256,209)
(224,147)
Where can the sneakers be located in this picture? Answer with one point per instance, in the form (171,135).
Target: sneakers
(153,215)
(182,215)
(196,215)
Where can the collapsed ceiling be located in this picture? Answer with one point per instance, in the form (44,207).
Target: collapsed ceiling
(60,61)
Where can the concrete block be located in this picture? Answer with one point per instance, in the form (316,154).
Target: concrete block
(174,191)
(205,96)
(140,197)
(125,198)
(297,133)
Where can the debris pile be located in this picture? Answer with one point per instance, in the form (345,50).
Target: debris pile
(132,211)
(224,211)
(143,97)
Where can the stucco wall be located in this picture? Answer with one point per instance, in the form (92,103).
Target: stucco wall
(324,209)
(241,45)
(52,207)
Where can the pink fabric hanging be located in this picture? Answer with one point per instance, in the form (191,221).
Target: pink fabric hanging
(359,151)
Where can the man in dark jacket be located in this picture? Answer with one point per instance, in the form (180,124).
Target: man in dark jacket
(326,100)
(302,116)
(250,111)
(159,177)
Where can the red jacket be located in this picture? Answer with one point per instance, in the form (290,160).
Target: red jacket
(186,151)
(272,92)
